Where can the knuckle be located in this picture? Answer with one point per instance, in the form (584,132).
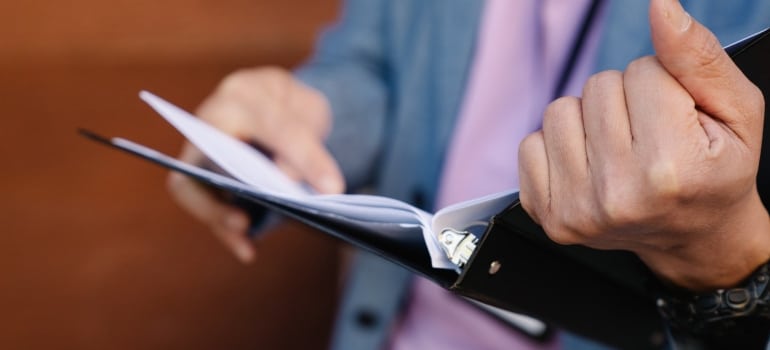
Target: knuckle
(600,82)
(527,201)
(246,79)
(667,183)
(271,72)
(561,105)
(582,222)
(530,205)
(176,182)
(235,81)
(273,80)
(616,207)
(641,66)
(559,108)
(530,145)
(562,226)
(560,235)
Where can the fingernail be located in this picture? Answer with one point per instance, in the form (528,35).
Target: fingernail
(677,16)
(236,222)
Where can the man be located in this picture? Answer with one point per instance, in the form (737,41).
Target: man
(392,75)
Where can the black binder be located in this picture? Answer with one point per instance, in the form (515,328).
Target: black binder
(608,296)
(604,295)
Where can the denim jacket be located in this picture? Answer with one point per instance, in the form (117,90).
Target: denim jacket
(394,72)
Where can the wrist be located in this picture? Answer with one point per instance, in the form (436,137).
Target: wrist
(720,258)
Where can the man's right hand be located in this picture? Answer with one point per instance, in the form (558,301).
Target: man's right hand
(269,108)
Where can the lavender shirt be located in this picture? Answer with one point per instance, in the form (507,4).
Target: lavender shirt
(522,48)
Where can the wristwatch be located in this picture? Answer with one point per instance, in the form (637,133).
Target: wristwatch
(738,316)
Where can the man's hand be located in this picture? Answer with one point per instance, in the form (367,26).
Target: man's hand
(271,109)
(660,160)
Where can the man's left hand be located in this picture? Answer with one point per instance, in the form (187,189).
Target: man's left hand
(660,160)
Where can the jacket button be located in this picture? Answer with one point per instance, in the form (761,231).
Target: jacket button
(366,318)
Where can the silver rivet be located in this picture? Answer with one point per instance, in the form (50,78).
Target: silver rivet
(494,267)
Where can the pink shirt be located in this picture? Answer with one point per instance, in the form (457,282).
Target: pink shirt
(522,48)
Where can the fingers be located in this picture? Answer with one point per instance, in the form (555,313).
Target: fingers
(228,223)
(269,108)
(565,139)
(555,167)
(661,112)
(605,118)
(287,119)
(533,177)
(308,158)
(694,56)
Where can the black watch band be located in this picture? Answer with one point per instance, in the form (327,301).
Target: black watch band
(733,316)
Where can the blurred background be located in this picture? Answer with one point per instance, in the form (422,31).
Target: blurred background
(93,253)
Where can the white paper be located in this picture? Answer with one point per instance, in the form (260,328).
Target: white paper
(256,173)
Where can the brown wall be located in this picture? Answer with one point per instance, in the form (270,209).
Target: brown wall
(93,254)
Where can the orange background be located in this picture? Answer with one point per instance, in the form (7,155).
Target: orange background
(93,253)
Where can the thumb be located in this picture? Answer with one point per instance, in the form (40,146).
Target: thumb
(694,56)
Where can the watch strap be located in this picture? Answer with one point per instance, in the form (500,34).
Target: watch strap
(730,317)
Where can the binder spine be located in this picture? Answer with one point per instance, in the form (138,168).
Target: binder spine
(516,268)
